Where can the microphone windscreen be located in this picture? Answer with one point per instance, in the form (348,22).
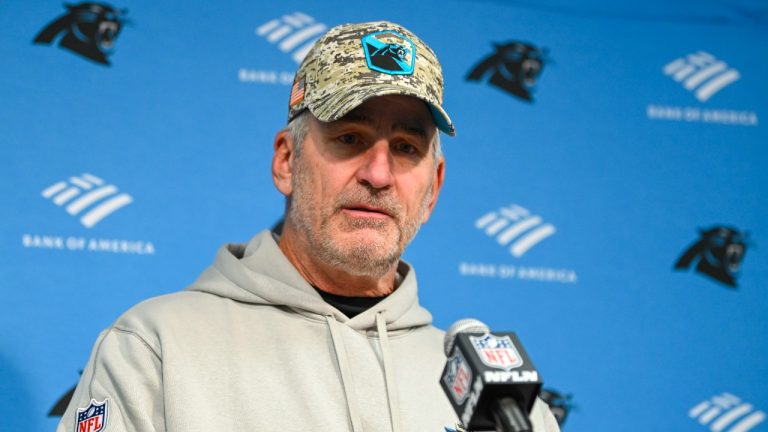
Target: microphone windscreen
(466,325)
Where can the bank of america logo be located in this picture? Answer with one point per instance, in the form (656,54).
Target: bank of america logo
(702,74)
(87,196)
(516,227)
(294,34)
(726,413)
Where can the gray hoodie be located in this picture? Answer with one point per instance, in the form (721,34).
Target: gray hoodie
(251,346)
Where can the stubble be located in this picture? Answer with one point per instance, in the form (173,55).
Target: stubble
(357,256)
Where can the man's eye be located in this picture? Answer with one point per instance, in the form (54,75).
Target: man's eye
(349,139)
(407,148)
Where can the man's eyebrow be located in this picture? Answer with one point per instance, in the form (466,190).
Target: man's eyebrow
(411,128)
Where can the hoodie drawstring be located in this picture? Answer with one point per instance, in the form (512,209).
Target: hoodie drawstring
(346,374)
(389,379)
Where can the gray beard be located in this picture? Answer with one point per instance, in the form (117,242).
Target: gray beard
(373,259)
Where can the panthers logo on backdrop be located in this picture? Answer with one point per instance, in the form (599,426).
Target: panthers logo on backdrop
(718,252)
(514,68)
(61,405)
(87,29)
(559,404)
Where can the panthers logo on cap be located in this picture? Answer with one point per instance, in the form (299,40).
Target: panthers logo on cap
(389,52)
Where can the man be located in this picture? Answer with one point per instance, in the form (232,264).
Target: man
(318,329)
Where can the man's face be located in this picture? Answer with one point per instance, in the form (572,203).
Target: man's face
(363,185)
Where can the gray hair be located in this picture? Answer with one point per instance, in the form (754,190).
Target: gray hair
(299,126)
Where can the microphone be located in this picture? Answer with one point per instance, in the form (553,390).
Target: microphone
(489,378)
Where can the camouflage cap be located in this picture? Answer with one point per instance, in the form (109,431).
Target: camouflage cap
(354,62)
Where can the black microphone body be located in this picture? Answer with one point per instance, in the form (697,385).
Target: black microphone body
(490,380)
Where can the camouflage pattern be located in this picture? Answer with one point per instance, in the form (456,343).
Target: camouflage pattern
(338,78)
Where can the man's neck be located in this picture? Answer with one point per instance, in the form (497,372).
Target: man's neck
(334,280)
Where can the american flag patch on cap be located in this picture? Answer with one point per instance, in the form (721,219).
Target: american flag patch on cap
(297,92)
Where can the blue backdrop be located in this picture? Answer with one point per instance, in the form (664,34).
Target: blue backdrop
(595,149)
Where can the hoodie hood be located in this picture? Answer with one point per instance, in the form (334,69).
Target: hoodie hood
(259,273)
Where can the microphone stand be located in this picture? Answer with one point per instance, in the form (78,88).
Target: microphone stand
(509,417)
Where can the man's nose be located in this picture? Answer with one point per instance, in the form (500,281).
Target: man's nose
(377,165)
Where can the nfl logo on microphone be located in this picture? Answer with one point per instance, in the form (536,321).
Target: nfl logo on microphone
(497,352)
(458,377)
(92,418)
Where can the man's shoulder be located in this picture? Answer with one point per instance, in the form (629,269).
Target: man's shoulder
(176,301)
(154,313)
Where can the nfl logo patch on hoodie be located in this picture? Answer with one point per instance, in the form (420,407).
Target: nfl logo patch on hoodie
(92,418)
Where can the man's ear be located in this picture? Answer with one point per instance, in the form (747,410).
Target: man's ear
(434,191)
(282,162)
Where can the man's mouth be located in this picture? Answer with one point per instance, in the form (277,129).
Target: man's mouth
(366,211)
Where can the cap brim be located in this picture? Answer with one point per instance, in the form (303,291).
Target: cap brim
(350,99)
(442,121)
